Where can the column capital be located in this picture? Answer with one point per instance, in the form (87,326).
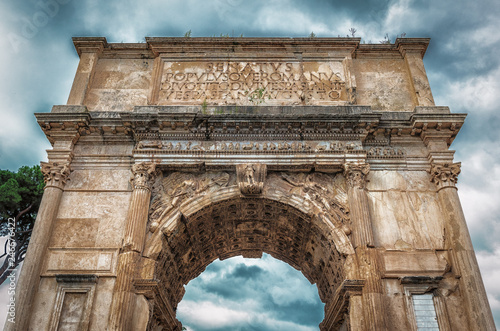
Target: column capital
(143,175)
(445,175)
(355,173)
(55,174)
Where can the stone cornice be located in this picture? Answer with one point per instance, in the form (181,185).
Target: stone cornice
(412,45)
(282,120)
(213,137)
(89,44)
(440,125)
(238,47)
(167,46)
(64,123)
(234,124)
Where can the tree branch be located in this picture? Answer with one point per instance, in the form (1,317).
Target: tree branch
(22,212)
(4,270)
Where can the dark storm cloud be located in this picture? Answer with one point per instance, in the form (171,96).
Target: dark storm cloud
(247,272)
(263,294)
(360,11)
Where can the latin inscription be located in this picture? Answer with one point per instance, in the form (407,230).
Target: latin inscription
(252,82)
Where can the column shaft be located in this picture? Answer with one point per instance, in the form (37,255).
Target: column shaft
(460,244)
(55,176)
(367,257)
(133,243)
(29,279)
(137,217)
(362,234)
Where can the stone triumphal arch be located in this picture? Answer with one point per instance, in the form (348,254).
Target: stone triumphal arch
(327,154)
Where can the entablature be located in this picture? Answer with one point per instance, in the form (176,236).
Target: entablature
(287,137)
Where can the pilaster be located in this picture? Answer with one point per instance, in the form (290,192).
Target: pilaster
(123,297)
(362,234)
(63,132)
(363,242)
(88,49)
(458,242)
(413,50)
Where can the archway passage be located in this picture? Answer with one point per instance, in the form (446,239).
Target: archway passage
(247,226)
(250,294)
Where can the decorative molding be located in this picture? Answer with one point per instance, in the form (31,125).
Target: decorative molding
(153,291)
(73,291)
(445,175)
(245,146)
(251,177)
(356,174)
(418,285)
(386,152)
(339,306)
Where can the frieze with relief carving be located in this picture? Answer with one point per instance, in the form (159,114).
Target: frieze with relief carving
(385,152)
(256,146)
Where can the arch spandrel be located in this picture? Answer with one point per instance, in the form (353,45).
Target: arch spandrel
(205,189)
(299,218)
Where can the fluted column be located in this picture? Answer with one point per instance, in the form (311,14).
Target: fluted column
(55,177)
(133,244)
(362,239)
(362,234)
(459,243)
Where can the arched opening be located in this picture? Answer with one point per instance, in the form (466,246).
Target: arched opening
(250,294)
(190,235)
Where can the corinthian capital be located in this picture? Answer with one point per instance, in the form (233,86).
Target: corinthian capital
(445,175)
(143,175)
(356,174)
(55,174)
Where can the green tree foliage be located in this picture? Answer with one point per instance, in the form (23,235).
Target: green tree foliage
(20,196)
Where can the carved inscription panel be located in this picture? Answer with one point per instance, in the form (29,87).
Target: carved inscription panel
(253,83)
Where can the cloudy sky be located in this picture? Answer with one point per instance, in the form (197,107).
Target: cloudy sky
(38,62)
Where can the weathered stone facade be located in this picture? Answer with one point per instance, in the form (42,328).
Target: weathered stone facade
(327,154)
